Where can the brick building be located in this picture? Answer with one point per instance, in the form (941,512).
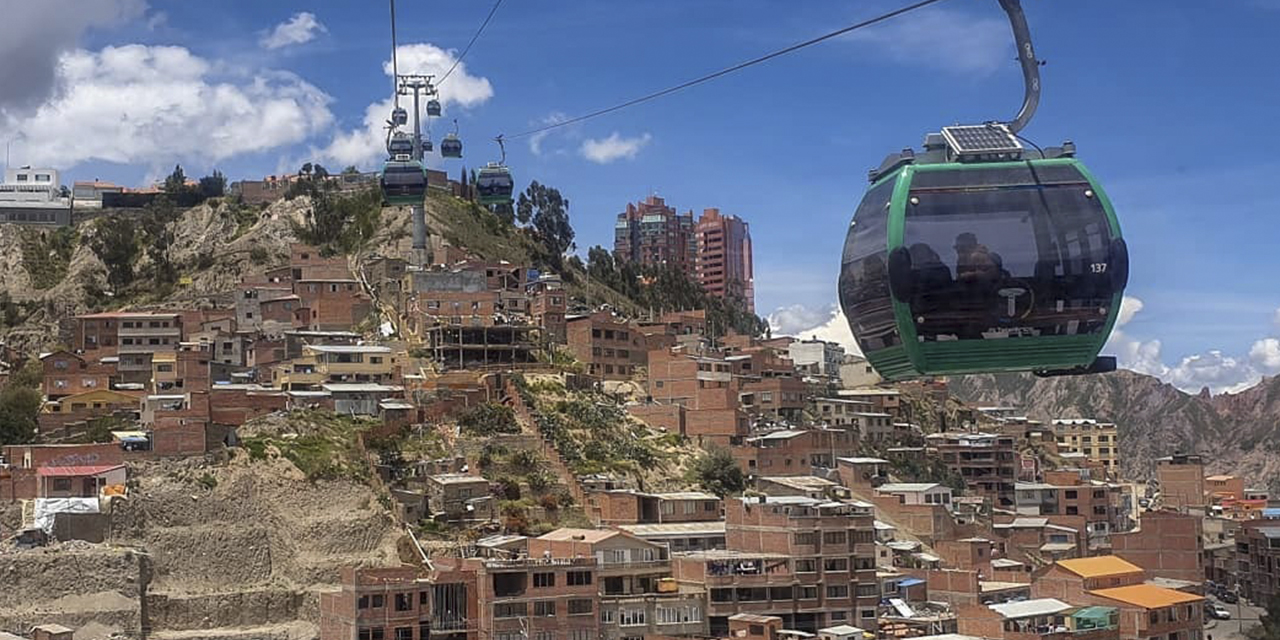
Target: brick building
(1145,610)
(401,604)
(1098,441)
(724,262)
(132,336)
(633,507)
(651,233)
(809,562)
(336,303)
(987,462)
(536,598)
(547,304)
(1181,478)
(637,594)
(610,347)
(1166,544)
(67,374)
(1257,568)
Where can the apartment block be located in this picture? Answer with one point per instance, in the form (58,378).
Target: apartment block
(795,452)
(652,234)
(638,595)
(401,604)
(1181,478)
(1098,441)
(336,303)
(609,346)
(810,562)
(724,262)
(1067,493)
(537,598)
(327,364)
(1224,488)
(1257,567)
(987,462)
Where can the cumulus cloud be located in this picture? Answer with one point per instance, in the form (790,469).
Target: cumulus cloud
(1265,354)
(156,105)
(975,45)
(614,147)
(366,143)
(1129,307)
(1215,370)
(35,35)
(807,323)
(303,27)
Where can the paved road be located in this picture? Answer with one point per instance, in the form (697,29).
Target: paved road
(1243,616)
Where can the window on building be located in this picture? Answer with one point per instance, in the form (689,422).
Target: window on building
(580,634)
(62,484)
(808,593)
(544,608)
(1071,494)
(835,564)
(839,616)
(608,616)
(538,635)
(838,591)
(806,538)
(404,633)
(371,633)
(547,579)
(580,606)
(404,602)
(362,602)
(510,610)
(631,618)
(577,578)
(834,537)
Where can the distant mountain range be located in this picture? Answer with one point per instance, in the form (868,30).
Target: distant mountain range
(1237,434)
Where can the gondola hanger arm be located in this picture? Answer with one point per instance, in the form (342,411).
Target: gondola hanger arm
(1030,64)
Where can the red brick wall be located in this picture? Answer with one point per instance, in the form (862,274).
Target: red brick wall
(660,416)
(1167,545)
(178,436)
(236,406)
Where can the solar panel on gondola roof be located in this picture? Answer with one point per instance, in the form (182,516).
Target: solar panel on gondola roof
(982,138)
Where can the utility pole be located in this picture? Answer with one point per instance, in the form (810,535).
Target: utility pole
(416,85)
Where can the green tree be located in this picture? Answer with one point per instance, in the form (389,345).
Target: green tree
(30,376)
(504,212)
(341,223)
(1268,627)
(176,183)
(19,410)
(319,171)
(548,211)
(306,169)
(213,185)
(351,170)
(116,244)
(717,472)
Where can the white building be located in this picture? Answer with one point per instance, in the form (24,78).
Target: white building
(857,373)
(918,493)
(817,358)
(34,196)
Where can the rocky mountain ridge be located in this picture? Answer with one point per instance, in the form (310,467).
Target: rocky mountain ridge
(1236,433)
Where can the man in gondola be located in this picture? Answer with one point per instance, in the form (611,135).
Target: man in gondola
(978,274)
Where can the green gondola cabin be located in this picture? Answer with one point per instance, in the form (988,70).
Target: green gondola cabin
(958,267)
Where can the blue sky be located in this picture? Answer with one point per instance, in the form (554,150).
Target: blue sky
(1171,104)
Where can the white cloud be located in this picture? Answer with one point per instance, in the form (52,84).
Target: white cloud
(34,36)
(303,27)
(1129,307)
(1265,354)
(366,144)
(827,324)
(974,45)
(792,319)
(156,105)
(615,147)
(535,140)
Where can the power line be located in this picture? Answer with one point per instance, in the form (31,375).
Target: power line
(722,72)
(395,69)
(473,41)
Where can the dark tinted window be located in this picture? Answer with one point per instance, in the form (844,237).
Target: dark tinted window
(864,282)
(1008,262)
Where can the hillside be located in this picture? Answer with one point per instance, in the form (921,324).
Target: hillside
(1237,433)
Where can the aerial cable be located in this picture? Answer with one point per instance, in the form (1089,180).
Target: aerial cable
(479,31)
(395,69)
(726,71)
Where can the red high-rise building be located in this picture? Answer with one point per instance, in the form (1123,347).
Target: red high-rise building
(652,234)
(723,263)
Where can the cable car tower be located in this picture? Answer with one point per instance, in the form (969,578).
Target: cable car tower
(979,255)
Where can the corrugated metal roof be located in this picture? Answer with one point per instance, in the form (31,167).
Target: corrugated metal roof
(1099,566)
(1147,596)
(674,529)
(1030,608)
